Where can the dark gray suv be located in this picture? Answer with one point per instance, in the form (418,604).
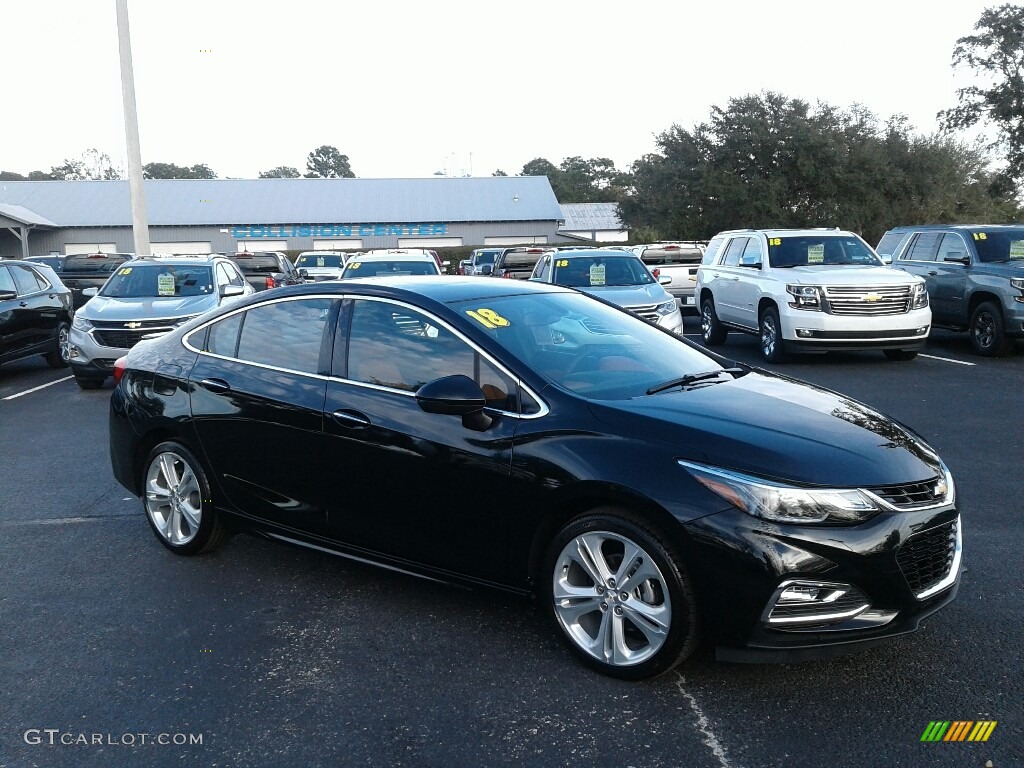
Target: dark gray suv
(974,275)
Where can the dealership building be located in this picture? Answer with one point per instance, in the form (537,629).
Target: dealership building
(214,215)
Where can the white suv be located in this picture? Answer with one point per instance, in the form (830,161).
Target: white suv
(809,289)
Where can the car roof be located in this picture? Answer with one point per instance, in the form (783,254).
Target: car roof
(396,254)
(784,232)
(175,260)
(978,227)
(592,252)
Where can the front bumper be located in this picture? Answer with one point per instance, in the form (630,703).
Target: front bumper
(824,332)
(892,571)
(89,357)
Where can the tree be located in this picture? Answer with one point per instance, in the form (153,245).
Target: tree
(769,161)
(539,166)
(92,165)
(499,172)
(327,162)
(39,176)
(577,180)
(280,172)
(996,54)
(11,176)
(172,171)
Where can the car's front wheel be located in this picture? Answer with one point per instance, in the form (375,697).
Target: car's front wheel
(988,336)
(620,595)
(771,336)
(177,500)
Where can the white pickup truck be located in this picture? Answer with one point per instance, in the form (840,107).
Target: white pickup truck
(678,261)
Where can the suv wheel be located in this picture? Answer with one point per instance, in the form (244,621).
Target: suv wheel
(619,595)
(58,358)
(89,382)
(987,335)
(711,329)
(771,336)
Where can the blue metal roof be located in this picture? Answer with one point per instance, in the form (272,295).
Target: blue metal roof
(196,202)
(24,215)
(591,216)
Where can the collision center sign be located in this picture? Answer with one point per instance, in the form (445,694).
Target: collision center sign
(277,231)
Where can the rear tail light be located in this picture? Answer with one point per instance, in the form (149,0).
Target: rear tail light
(270,282)
(507,274)
(120,365)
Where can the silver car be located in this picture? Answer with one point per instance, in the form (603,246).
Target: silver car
(613,275)
(146,296)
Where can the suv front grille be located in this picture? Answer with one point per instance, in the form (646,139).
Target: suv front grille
(108,333)
(926,558)
(913,495)
(648,312)
(867,300)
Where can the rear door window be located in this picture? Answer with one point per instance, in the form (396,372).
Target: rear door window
(925,247)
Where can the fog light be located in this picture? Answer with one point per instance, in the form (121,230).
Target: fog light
(921,331)
(804,333)
(797,603)
(74,351)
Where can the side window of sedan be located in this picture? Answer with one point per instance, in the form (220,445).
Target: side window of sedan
(6,281)
(283,334)
(27,280)
(397,347)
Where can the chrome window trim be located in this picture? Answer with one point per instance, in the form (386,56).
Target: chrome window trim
(185,341)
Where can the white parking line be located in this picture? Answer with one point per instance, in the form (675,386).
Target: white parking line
(36,389)
(704,726)
(946,359)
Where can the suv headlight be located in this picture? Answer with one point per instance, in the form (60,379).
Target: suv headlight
(79,323)
(804,296)
(666,308)
(784,503)
(1018,283)
(919,298)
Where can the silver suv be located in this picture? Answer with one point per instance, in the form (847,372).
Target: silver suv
(809,290)
(146,296)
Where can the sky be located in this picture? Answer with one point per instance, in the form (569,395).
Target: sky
(407,89)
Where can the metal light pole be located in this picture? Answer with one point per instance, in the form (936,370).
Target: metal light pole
(140,227)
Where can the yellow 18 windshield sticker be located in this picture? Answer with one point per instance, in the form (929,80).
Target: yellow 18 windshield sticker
(354,265)
(488,318)
(126,271)
(980,236)
(775,241)
(562,263)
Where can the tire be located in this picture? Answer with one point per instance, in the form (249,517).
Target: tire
(711,329)
(900,355)
(988,337)
(770,336)
(89,382)
(58,358)
(642,636)
(176,498)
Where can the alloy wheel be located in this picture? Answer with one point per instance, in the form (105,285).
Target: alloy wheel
(174,500)
(984,330)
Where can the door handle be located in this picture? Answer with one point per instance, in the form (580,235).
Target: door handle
(933,273)
(350,419)
(216,385)
(23,304)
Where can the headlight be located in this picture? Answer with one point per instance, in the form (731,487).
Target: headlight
(79,323)
(804,296)
(1018,283)
(784,503)
(666,308)
(919,297)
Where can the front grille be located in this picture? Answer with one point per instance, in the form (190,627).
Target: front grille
(913,495)
(123,339)
(646,311)
(926,558)
(867,300)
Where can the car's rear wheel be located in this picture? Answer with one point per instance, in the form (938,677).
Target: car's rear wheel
(901,355)
(177,500)
(89,382)
(713,332)
(771,336)
(620,595)
(988,337)
(58,358)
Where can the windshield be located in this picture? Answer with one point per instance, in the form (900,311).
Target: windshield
(585,346)
(388,268)
(484,257)
(811,250)
(320,260)
(999,245)
(159,281)
(600,272)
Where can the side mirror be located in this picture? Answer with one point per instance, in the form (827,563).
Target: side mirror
(886,258)
(231,290)
(451,395)
(90,291)
(303,273)
(485,269)
(959,258)
(664,280)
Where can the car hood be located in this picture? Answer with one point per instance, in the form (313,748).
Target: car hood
(145,308)
(777,428)
(631,295)
(838,275)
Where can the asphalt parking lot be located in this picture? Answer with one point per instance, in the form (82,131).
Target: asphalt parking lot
(115,652)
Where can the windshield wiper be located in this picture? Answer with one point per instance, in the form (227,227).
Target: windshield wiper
(692,378)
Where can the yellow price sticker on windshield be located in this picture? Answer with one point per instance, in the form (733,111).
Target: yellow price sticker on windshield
(488,318)
(354,265)
(562,263)
(980,236)
(125,271)
(774,241)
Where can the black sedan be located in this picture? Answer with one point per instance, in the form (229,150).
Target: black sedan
(35,313)
(536,439)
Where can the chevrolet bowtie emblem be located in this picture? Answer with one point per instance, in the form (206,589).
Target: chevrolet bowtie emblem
(133,325)
(872,296)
